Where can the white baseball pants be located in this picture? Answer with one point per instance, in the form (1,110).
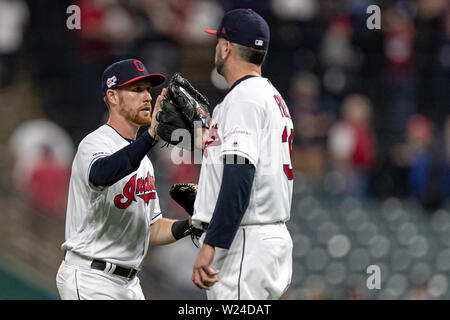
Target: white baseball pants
(258,265)
(76,280)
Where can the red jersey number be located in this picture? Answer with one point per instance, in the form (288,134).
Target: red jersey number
(289,139)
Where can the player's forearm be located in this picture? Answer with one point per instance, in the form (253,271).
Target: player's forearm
(165,231)
(108,170)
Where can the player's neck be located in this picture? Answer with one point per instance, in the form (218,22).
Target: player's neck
(237,71)
(123,127)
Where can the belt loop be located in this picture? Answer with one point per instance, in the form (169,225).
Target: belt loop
(110,268)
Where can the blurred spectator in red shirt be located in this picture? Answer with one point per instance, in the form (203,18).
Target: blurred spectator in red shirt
(352,144)
(25,147)
(48,186)
(399,39)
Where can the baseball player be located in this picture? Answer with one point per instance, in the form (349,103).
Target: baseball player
(245,185)
(113,213)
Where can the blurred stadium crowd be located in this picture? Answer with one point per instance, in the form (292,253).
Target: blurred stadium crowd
(372,131)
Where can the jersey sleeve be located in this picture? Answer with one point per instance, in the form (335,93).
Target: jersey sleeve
(156,213)
(109,170)
(89,152)
(241,131)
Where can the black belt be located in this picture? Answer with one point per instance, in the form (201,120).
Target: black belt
(120,271)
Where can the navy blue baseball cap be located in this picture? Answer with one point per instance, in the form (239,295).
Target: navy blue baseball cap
(244,27)
(126,71)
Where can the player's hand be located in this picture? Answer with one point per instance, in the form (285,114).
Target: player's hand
(202,135)
(203,275)
(156,109)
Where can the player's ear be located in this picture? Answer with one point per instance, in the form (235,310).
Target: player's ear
(112,97)
(227,49)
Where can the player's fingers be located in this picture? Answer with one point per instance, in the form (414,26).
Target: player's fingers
(198,138)
(205,136)
(197,280)
(163,93)
(157,106)
(194,277)
(210,271)
(205,278)
(158,100)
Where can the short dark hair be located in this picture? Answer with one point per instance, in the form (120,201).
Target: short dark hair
(255,56)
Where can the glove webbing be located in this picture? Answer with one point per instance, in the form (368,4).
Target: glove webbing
(183,82)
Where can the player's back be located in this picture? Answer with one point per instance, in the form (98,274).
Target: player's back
(274,177)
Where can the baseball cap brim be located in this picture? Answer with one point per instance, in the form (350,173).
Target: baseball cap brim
(155,79)
(214,32)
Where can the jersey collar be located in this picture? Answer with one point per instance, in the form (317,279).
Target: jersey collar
(129,140)
(240,80)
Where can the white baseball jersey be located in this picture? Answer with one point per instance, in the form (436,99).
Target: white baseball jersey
(253,122)
(110,223)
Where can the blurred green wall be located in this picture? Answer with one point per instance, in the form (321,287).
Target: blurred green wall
(16,283)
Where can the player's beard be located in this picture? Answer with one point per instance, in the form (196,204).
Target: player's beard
(136,116)
(220,65)
(142,120)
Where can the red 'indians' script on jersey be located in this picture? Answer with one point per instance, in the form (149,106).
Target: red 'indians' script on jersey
(143,188)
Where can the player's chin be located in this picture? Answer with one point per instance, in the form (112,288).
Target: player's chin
(143,120)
